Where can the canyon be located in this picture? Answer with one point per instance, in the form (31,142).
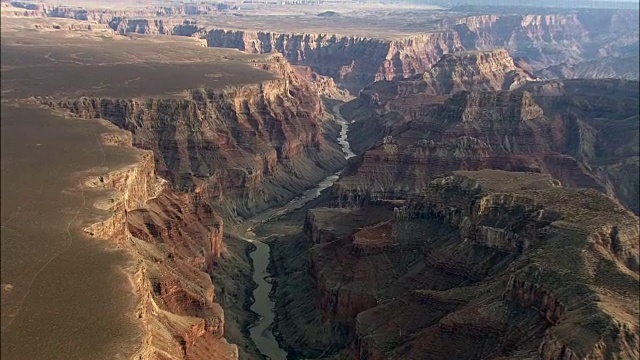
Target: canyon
(209,181)
(169,229)
(584,43)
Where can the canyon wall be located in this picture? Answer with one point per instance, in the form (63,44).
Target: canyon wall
(490,264)
(351,61)
(623,67)
(551,38)
(554,127)
(541,40)
(243,149)
(174,243)
(387,105)
(221,154)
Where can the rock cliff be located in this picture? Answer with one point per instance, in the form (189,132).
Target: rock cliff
(470,71)
(351,61)
(481,264)
(552,39)
(159,26)
(542,40)
(243,148)
(175,243)
(489,70)
(223,154)
(556,127)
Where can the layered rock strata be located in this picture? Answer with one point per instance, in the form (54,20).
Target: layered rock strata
(556,127)
(483,264)
(623,67)
(351,61)
(393,103)
(225,154)
(243,148)
(175,243)
(542,40)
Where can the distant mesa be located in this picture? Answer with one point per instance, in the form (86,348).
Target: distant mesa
(329,14)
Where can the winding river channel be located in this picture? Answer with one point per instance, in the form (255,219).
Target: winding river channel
(260,332)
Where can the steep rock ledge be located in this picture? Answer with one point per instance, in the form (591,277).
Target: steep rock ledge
(225,154)
(174,246)
(387,105)
(351,61)
(496,263)
(551,39)
(578,131)
(243,148)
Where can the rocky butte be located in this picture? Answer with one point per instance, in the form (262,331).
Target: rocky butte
(491,261)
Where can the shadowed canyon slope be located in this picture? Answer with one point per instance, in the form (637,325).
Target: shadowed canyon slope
(244,149)
(214,138)
(482,264)
(582,132)
(408,261)
(491,260)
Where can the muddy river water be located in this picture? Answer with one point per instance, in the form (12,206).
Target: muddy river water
(261,333)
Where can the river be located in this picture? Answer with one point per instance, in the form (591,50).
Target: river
(260,332)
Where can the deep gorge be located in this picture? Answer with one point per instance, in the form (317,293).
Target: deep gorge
(456,212)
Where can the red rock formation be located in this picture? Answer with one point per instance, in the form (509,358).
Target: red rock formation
(482,266)
(360,61)
(549,127)
(621,67)
(216,238)
(167,234)
(573,37)
(236,147)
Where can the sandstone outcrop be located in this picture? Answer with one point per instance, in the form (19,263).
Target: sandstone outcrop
(483,264)
(159,26)
(174,242)
(488,70)
(325,85)
(550,39)
(462,71)
(555,127)
(351,61)
(243,148)
(542,40)
(393,103)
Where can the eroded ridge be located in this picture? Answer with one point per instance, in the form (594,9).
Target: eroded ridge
(489,258)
